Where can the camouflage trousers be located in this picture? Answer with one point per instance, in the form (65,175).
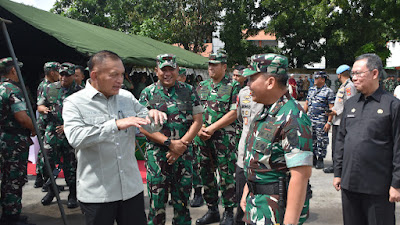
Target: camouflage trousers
(218,153)
(59,148)
(163,179)
(320,138)
(40,162)
(13,167)
(264,209)
(196,165)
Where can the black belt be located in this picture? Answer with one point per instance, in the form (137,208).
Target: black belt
(263,189)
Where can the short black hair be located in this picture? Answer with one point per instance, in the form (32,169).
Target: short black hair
(280,78)
(99,57)
(373,62)
(240,67)
(78,67)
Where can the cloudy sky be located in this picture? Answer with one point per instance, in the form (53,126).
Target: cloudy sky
(41,4)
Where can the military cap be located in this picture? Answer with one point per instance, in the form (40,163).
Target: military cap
(166,60)
(7,62)
(342,68)
(267,63)
(68,68)
(320,74)
(217,58)
(182,71)
(51,66)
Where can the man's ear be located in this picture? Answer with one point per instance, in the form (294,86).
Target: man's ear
(93,75)
(270,82)
(375,74)
(225,66)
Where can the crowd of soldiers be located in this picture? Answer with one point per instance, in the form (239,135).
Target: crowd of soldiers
(245,127)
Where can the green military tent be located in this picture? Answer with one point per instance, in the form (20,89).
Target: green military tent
(39,36)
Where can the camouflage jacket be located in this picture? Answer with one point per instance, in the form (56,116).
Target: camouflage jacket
(218,99)
(180,102)
(279,138)
(39,95)
(319,100)
(389,85)
(11,102)
(53,97)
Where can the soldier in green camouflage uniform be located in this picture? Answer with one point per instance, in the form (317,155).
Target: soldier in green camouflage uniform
(55,141)
(51,75)
(389,84)
(15,126)
(216,139)
(169,152)
(279,142)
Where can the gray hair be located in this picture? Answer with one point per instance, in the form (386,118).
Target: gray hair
(373,62)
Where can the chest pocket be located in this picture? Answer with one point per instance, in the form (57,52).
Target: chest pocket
(94,120)
(184,106)
(52,95)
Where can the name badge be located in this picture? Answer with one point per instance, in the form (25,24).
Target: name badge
(351,116)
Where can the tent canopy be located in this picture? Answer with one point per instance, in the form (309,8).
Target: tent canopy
(87,39)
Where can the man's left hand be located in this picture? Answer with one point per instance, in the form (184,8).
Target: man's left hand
(60,129)
(327,127)
(158,116)
(394,194)
(172,157)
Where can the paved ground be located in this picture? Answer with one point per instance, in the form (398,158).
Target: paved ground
(325,204)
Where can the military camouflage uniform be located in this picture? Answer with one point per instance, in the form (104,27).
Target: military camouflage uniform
(318,103)
(389,84)
(14,147)
(180,102)
(219,151)
(57,145)
(279,139)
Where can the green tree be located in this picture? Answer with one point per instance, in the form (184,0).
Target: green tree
(188,22)
(240,16)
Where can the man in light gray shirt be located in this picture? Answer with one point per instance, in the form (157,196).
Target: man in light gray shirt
(100,123)
(345,91)
(247,109)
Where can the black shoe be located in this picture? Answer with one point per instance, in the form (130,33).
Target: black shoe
(72,201)
(48,198)
(314,161)
(212,216)
(227,217)
(39,181)
(320,163)
(328,169)
(197,200)
(45,187)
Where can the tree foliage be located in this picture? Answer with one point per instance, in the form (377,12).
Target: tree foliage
(340,30)
(188,22)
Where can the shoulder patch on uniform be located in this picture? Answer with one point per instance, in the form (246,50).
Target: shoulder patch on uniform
(348,91)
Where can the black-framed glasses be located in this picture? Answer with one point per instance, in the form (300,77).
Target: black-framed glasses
(358,74)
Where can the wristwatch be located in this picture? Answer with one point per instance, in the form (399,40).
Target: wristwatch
(330,123)
(167,142)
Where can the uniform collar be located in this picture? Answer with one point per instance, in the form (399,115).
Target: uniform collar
(91,91)
(376,95)
(274,108)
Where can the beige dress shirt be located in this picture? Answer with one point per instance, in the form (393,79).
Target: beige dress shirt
(107,169)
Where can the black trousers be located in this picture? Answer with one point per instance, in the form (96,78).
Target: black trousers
(366,209)
(126,212)
(240,182)
(335,129)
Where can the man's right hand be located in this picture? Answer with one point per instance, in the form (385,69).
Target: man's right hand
(125,123)
(203,135)
(43,109)
(178,146)
(336,183)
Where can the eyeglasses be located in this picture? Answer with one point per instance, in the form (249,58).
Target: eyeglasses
(358,74)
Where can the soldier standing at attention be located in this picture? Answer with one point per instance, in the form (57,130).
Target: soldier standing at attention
(247,109)
(15,126)
(55,142)
(319,101)
(169,152)
(279,141)
(51,75)
(345,91)
(216,139)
